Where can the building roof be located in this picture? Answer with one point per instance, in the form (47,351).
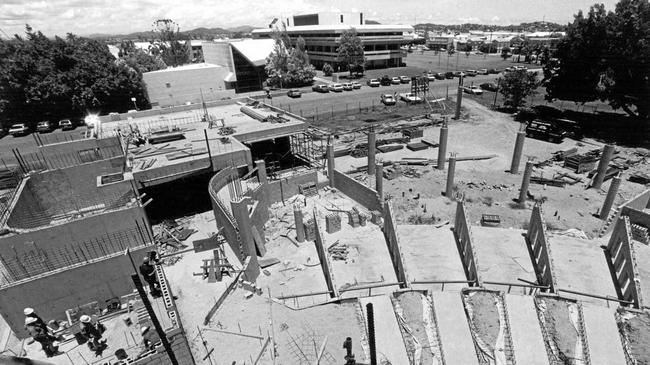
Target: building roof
(255,50)
(342,27)
(191,66)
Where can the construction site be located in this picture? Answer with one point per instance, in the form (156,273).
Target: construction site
(451,237)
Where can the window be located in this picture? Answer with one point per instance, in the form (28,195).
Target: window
(341,18)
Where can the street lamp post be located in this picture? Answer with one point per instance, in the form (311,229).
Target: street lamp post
(134,104)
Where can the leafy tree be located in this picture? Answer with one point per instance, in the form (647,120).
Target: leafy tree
(286,65)
(328,70)
(505,53)
(139,60)
(515,86)
(169,43)
(605,56)
(51,79)
(350,51)
(488,48)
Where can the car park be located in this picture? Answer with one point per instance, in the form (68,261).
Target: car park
(320,88)
(508,69)
(459,74)
(489,86)
(430,77)
(66,124)
(471,73)
(404,79)
(347,86)
(395,80)
(374,83)
(44,127)
(449,75)
(482,71)
(388,99)
(19,129)
(356,85)
(474,90)
(337,88)
(493,71)
(410,98)
(548,131)
(386,80)
(439,76)
(294,93)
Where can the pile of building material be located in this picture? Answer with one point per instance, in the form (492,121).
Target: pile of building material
(310,229)
(332,223)
(170,235)
(639,178)
(308,189)
(390,147)
(417,146)
(580,163)
(356,218)
(338,252)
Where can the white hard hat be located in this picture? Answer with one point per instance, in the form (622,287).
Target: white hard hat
(28,311)
(85,319)
(145,259)
(144,329)
(29,320)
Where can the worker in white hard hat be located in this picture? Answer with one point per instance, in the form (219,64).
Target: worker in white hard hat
(41,336)
(93,331)
(30,313)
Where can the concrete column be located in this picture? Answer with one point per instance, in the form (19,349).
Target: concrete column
(330,163)
(300,228)
(516,154)
(606,156)
(379,181)
(525,182)
(371,152)
(449,192)
(261,171)
(611,196)
(459,100)
(442,148)
(244,226)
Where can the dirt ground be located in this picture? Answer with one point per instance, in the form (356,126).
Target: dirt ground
(411,303)
(560,327)
(485,316)
(637,332)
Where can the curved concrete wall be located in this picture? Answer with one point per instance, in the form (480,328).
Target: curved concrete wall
(222,214)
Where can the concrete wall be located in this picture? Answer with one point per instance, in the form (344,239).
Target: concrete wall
(463,236)
(622,258)
(324,259)
(288,187)
(357,191)
(50,295)
(157,112)
(392,240)
(180,347)
(223,216)
(178,86)
(539,249)
(639,202)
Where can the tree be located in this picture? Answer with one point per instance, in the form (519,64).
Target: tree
(328,70)
(505,53)
(605,56)
(169,43)
(515,86)
(139,60)
(287,65)
(351,52)
(52,79)
(488,48)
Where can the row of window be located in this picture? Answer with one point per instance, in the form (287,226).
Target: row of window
(366,48)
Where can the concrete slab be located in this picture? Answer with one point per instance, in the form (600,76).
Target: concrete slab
(388,337)
(457,342)
(430,253)
(643,256)
(526,335)
(580,265)
(602,335)
(502,255)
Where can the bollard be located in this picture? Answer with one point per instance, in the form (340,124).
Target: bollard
(442,148)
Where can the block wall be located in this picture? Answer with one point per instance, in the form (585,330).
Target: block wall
(357,191)
(539,248)
(180,347)
(463,236)
(392,240)
(288,187)
(621,255)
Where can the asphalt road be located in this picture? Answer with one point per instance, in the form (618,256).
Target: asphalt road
(311,103)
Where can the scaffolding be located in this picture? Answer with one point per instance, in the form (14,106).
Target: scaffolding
(309,149)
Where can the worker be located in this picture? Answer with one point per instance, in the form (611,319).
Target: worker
(349,356)
(148,272)
(149,338)
(41,336)
(94,334)
(30,313)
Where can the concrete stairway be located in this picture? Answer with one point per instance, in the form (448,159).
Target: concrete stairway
(455,336)
(388,337)
(527,341)
(604,339)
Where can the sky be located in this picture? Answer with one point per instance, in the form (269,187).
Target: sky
(84,17)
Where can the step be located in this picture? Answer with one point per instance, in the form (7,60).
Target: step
(455,337)
(602,335)
(527,337)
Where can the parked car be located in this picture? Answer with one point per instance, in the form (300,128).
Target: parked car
(489,86)
(388,99)
(430,77)
(439,76)
(493,71)
(320,88)
(544,130)
(410,98)
(373,83)
(474,90)
(66,124)
(385,80)
(19,129)
(404,79)
(395,80)
(347,86)
(44,127)
(337,88)
(459,74)
(356,85)
(482,71)
(443,49)
(508,69)
(449,75)
(471,73)
(294,93)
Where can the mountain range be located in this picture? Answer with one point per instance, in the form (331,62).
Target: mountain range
(198,33)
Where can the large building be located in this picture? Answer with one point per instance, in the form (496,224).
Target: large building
(322,35)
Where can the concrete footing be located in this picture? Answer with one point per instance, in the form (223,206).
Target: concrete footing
(611,196)
(516,154)
(606,156)
(442,148)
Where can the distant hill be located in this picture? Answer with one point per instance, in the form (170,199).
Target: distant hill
(523,27)
(368,21)
(198,33)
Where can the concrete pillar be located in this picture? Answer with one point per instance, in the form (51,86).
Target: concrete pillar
(300,228)
(519,148)
(371,152)
(606,156)
(525,182)
(244,226)
(442,148)
(330,163)
(611,196)
(449,192)
(379,181)
(459,100)
(261,171)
